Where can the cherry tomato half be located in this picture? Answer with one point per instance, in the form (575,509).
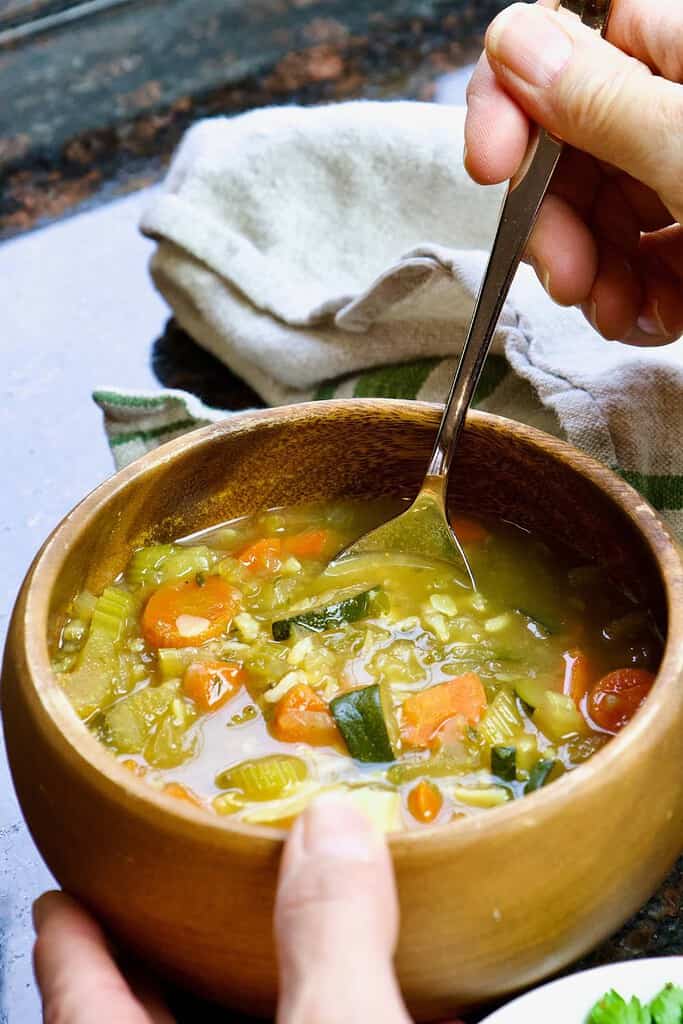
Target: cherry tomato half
(614,700)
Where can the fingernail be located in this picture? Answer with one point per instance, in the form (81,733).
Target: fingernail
(39,911)
(651,321)
(530,43)
(464,155)
(334,828)
(543,275)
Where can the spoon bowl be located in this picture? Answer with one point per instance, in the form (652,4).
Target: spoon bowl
(423,529)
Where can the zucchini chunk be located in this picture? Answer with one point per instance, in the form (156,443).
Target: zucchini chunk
(360,719)
(539,775)
(349,609)
(504,763)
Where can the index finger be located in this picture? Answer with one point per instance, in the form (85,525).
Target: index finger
(77,977)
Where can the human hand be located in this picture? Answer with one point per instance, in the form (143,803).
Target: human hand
(336,923)
(609,235)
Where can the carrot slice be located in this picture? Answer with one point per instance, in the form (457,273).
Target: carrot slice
(181,792)
(135,767)
(579,675)
(310,544)
(468,531)
(263,555)
(189,613)
(302,716)
(426,712)
(211,684)
(425,801)
(616,697)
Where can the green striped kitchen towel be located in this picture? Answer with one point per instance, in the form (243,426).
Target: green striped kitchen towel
(291,245)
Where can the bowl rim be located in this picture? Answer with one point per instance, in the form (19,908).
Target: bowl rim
(110,776)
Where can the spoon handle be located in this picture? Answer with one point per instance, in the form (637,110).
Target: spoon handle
(518,216)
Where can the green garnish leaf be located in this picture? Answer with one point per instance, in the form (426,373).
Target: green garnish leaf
(667,1007)
(613,1009)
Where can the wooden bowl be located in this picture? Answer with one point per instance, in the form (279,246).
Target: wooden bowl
(488,905)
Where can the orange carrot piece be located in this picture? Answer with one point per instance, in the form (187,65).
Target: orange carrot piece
(302,716)
(616,697)
(181,792)
(263,555)
(211,684)
(187,614)
(469,531)
(310,544)
(579,675)
(424,713)
(135,767)
(425,801)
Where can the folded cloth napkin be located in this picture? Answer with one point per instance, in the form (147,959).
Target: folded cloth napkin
(336,251)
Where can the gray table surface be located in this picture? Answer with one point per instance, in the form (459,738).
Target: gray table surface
(78,312)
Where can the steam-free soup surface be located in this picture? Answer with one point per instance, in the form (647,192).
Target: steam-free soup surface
(240,672)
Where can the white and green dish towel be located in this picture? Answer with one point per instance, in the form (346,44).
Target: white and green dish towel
(335,252)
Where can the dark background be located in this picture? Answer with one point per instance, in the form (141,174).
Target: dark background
(96,94)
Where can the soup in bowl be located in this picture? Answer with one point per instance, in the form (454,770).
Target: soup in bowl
(185,671)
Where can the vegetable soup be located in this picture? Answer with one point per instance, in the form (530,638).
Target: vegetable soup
(240,671)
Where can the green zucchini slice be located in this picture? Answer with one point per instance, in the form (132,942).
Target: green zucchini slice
(360,718)
(349,609)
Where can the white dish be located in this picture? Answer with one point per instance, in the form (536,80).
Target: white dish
(570,1000)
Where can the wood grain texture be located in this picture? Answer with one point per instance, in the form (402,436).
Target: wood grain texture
(488,905)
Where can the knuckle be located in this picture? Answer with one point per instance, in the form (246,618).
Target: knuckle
(593,104)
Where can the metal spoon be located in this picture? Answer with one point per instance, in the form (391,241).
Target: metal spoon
(424,528)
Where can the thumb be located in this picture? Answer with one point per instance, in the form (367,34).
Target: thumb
(336,921)
(592,95)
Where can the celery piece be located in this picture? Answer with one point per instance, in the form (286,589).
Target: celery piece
(281,811)
(502,721)
(74,633)
(90,685)
(128,724)
(112,614)
(482,796)
(146,563)
(173,661)
(526,754)
(228,803)
(168,563)
(84,605)
(169,745)
(438,766)
(557,717)
(532,691)
(264,778)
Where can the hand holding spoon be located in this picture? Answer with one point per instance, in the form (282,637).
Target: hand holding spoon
(424,528)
